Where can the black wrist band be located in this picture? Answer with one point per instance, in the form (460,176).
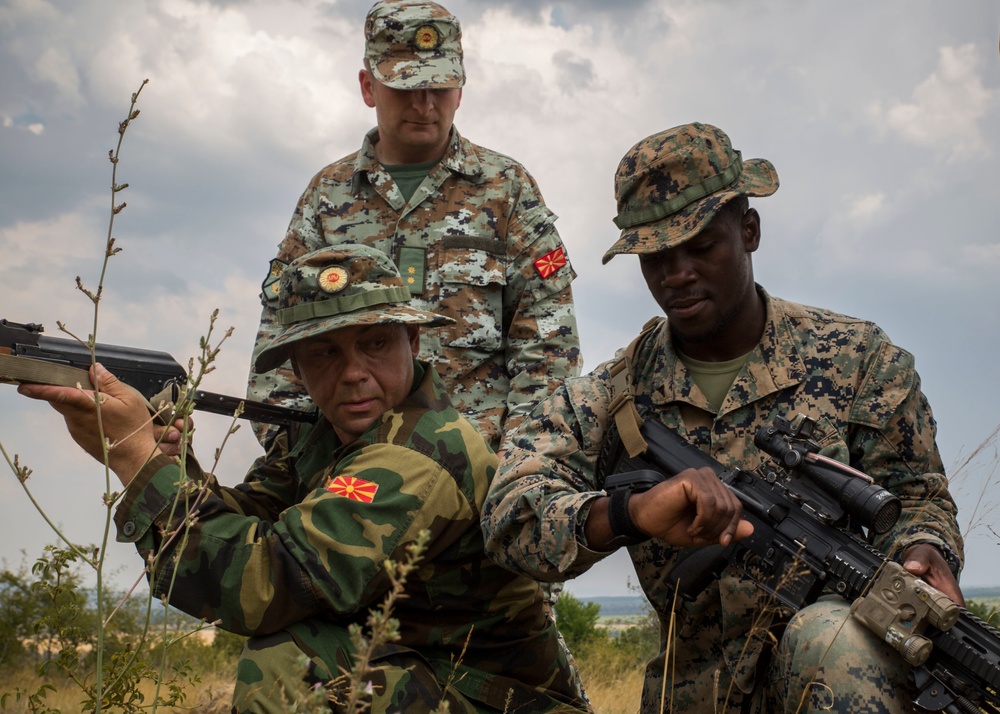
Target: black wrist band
(622,527)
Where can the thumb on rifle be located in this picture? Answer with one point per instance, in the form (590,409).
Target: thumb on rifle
(106,382)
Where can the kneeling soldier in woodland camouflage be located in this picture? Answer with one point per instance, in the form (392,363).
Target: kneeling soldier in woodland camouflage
(296,554)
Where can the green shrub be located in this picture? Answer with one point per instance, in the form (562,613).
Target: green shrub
(984,612)
(227,646)
(577,621)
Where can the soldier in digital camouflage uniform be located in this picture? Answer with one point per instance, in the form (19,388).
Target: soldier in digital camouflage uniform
(466,226)
(728,359)
(296,553)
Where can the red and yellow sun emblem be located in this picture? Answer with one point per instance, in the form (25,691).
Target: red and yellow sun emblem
(356,489)
(550,262)
(333,279)
(427,37)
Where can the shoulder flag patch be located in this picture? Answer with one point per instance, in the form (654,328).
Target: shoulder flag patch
(356,489)
(551,262)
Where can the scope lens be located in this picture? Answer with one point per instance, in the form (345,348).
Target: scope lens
(868,503)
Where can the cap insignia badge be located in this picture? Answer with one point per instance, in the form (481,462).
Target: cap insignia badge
(426,38)
(333,279)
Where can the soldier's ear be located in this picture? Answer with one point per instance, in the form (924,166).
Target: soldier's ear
(750,230)
(295,365)
(366,80)
(413,335)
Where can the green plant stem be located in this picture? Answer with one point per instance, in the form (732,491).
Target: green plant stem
(110,250)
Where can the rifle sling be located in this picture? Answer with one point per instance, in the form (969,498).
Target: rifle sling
(622,407)
(17,370)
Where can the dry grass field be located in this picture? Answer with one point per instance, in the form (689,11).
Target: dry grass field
(211,696)
(612,677)
(611,691)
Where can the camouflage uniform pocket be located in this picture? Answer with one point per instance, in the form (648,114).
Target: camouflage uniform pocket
(889,381)
(472,294)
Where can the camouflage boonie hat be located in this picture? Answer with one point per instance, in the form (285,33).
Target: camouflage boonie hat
(414,44)
(671,184)
(337,287)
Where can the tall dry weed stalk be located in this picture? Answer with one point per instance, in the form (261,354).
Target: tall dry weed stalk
(984,457)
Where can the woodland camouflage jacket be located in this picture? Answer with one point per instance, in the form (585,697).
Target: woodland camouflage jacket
(475,243)
(301,545)
(839,370)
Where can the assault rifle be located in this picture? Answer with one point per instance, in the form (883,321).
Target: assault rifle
(26,355)
(807,516)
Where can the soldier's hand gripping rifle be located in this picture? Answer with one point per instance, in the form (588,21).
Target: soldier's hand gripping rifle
(806,515)
(28,356)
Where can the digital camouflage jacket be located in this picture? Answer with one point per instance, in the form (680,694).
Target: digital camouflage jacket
(301,545)
(475,243)
(841,371)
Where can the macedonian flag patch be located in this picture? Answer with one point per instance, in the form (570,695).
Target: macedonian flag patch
(551,262)
(356,489)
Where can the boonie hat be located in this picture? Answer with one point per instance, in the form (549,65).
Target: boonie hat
(671,184)
(414,44)
(335,287)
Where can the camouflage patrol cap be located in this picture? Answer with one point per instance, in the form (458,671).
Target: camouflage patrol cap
(414,44)
(671,184)
(335,287)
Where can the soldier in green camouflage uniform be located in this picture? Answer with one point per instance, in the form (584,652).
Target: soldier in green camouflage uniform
(466,226)
(297,553)
(728,359)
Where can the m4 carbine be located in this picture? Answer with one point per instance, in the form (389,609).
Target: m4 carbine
(807,515)
(26,355)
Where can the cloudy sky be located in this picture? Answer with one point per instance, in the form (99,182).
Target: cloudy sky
(882,119)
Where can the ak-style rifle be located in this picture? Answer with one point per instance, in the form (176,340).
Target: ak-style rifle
(26,355)
(807,511)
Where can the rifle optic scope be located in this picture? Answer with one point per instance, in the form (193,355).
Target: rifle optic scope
(870,505)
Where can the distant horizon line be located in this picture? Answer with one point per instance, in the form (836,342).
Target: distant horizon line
(969,592)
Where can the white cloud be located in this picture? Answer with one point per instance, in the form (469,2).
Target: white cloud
(983,257)
(876,235)
(846,235)
(230,80)
(58,68)
(866,208)
(30,243)
(34,127)
(41,259)
(945,110)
